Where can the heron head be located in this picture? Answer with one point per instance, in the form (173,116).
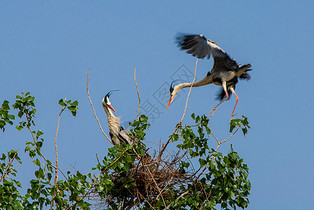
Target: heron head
(173,92)
(106,101)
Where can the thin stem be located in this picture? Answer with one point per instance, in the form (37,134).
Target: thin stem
(8,166)
(160,193)
(169,139)
(39,152)
(187,98)
(57,159)
(138,95)
(219,144)
(90,101)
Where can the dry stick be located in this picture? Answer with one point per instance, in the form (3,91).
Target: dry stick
(7,168)
(90,101)
(164,187)
(139,157)
(146,200)
(162,197)
(34,139)
(187,98)
(138,95)
(92,185)
(186,104)
(57,160)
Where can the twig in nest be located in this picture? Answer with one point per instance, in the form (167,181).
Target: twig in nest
(138,95)
(90,101)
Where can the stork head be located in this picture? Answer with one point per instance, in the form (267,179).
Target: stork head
(173,92)
(106,102)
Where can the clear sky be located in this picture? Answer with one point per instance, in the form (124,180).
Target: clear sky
(47,47)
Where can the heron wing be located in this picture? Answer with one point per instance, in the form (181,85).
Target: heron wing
(124,135)
(200,47)
(194,44)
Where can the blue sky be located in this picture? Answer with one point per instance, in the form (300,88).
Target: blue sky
(47,47)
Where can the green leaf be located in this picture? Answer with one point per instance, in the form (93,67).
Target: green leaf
(27,148)
(202,162)
(39,173)
(39,133)
(74,103)
(36,162)
(193,116)
(61,102)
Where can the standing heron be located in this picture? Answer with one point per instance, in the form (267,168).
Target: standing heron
(117,133)
(225,71)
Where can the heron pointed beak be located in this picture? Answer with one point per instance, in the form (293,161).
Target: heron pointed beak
(112,108)
(170,100)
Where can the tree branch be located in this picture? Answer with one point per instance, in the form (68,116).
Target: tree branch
(138,95)
(186,103)
(90,101)
(8,166)
(39,152)
(57,159)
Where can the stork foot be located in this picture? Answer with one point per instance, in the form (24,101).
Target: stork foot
(212,111)
(232,116)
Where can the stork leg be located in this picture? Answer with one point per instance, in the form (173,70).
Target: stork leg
(224,86)
(237,99)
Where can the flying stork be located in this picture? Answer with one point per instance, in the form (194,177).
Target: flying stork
(117,133)
(225,71)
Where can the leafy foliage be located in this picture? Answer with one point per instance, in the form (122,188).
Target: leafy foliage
(5,116)
(197,176)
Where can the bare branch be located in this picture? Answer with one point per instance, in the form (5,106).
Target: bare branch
(39,152)
(168,141)
(8,166)
(230,135)
(187,98)
(138,95)
(57,159)
(90,101)
(219,144)
(160,193)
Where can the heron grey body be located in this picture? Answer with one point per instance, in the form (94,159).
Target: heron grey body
(225,71)
(117,133)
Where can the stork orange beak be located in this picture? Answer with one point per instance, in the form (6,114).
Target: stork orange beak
(170,100)
(112,108)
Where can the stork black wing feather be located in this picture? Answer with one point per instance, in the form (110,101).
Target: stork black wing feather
(245,76)
(194,44)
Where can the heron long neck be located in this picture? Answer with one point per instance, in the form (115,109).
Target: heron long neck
(113,121)
(205,81)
